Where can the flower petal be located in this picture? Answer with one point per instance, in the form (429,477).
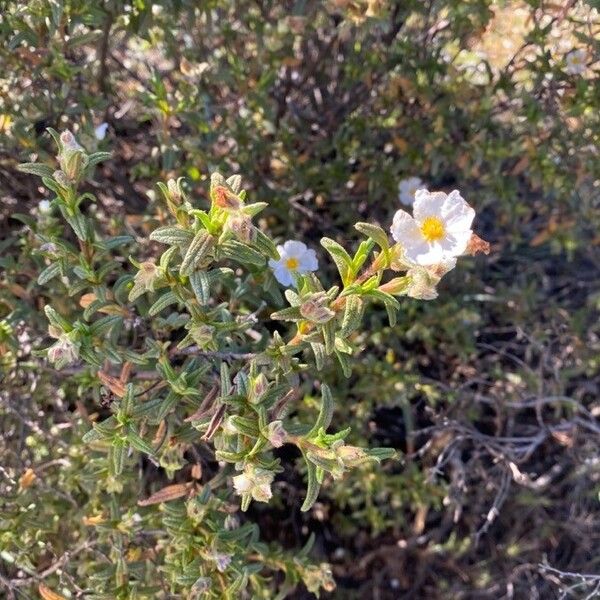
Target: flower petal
(457,214)
(428,204)
(308,262)
(294,248)
(283,275)
(405,229)
(426,254)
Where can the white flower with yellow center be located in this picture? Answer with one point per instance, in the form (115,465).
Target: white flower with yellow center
(407,189)
(576,62)
(439,230)
(294,259)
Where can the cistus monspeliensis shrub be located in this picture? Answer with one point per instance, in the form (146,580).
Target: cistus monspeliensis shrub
(224,323)
(198,369)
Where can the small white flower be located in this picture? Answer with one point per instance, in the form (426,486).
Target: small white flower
(100,131)
(407,189)
(439,231)
(254,481)
(295,259)
(44,206)
(576,62)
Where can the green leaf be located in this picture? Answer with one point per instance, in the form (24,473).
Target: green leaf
(340,257)
(172,235)
(325,414)
(38,169)
(98,157)
(291,313)
(353,314)
(102,326)
(344,363)
(328,332)
(162,303)
(197,251)
(241,253)
(56,319)
(266,245)
(320,356)
(376,233)
(117,454)
(313,486)
(137,442)
(48,273)
(200,282)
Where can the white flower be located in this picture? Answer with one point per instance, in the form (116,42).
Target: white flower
(439,231)
(44,206)
(576,62)
(407,189)
(295,259)
(100,131)
(254,481)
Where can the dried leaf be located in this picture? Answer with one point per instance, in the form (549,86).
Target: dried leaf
(477,246)
(26,480)
(215,422)
(116,386)
(205,406)
(168,493)
(47,594)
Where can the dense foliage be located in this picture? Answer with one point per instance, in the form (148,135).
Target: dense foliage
(192,408)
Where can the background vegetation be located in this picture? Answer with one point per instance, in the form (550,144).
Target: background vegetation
(489,393)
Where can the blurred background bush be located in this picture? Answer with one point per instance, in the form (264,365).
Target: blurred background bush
(490,392)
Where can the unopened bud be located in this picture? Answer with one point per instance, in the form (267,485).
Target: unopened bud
(258,386)
(276,434)
(223,198)
(395,286)
(61,178)
(242,227)
(174,191)
(315,309)
(202,335)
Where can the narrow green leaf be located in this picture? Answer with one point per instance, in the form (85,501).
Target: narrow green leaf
(162,303)
(172,235)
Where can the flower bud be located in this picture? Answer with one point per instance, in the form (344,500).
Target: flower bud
(422,285)
(258,386)
(395,286)
(203,335)
(351,456)
(276,434)
(319,577)
(64,352)
(175,193)
(68,141)
(242,228)
(223,198)
(201,587)
(315,309)
(223,560)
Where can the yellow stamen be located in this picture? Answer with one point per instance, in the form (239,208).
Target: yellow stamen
(292,263)
(432,229)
